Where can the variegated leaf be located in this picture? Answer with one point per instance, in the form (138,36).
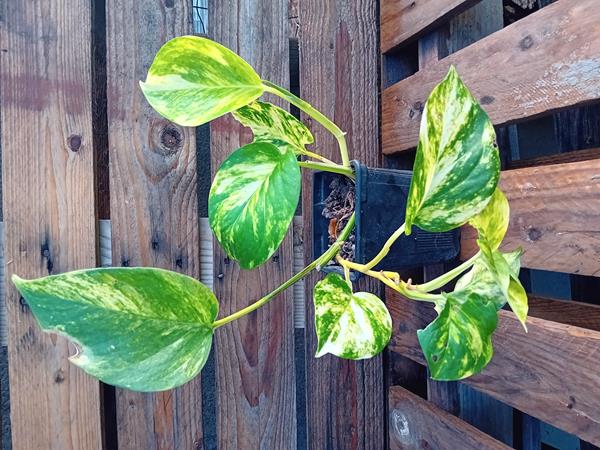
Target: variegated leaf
(272,123)
(139,328)
(457,166)
(492,222)
(458,343)
(349,325)
(253,199)
(194,80)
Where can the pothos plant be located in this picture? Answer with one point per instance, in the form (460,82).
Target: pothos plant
(149,329)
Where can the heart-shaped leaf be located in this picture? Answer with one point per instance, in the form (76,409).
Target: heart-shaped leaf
(194,80)
(349,325)
(271,123)
(139,328)
(458,343)
(457,166)
(492,222)
(253,199)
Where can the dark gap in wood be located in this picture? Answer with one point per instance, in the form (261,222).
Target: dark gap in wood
(203,168)
(5,432)
(294,66)
(300,356)
(108,402)
(514,11)
(208,382)
(99,113)
(399,64)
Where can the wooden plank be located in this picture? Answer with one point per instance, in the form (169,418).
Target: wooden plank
(405,20)
(560,158)
(568,78)
(339,76)
(416,424)
(48,204)
(555,217)
(550,372)
(153,201)
(577,314)
(256,392)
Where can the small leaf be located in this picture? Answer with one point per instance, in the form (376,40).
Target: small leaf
(458,343)
(194,80)
(457,165)
(517,299)
(270,123)
(492,222)
(139,328)
(349,325)
(253,199)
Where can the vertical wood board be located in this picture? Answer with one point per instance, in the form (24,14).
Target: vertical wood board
(255,396)
(153,204)
(48,181)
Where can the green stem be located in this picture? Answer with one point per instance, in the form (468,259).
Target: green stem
(315,156)
(444,279)
(386,248)
(315,114)
(316,264)
(335,168)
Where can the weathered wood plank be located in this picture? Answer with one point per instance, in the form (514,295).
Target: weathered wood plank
(256,392)
(48,203)
(555,217)
(339,76)
(415,424)
(550,373)
(406,20)
(566,79)
(560,158)
(153,200)
(577,314)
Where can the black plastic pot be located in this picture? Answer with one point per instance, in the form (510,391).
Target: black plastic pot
(381,196)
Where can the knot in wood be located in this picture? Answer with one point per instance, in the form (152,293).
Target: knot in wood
(74,142)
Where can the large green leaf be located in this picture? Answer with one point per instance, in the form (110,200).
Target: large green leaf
(349,325)
(271,123)
(458,343)
(139,328)
(253,199)
(457,165)
(194,80)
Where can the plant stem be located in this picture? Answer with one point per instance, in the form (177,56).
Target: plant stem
(316,264)
(335,168)
(385,249)
(397,284)
(315,156)
(315,114)
(444,279)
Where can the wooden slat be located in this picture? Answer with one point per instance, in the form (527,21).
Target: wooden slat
(339,76)
(256,391)
(405,20)
(48,199)
(515,73)
(153,201)
(560,158)
(555,217)
(415,424)
(550,373)
(577,314)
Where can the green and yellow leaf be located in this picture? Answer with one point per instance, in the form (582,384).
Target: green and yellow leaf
(271,123)
(253,199)
(458,343)
(492,222)
(457,166)
(194,80)
(349,325)
(139,328)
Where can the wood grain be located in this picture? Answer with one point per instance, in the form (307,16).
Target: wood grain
(567,78)
(550,372)
(577,314)
(560,158)
(405,20)
(554,217)
(153,201)
(339,76)
(48,203)
(416,424)
(256,392)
